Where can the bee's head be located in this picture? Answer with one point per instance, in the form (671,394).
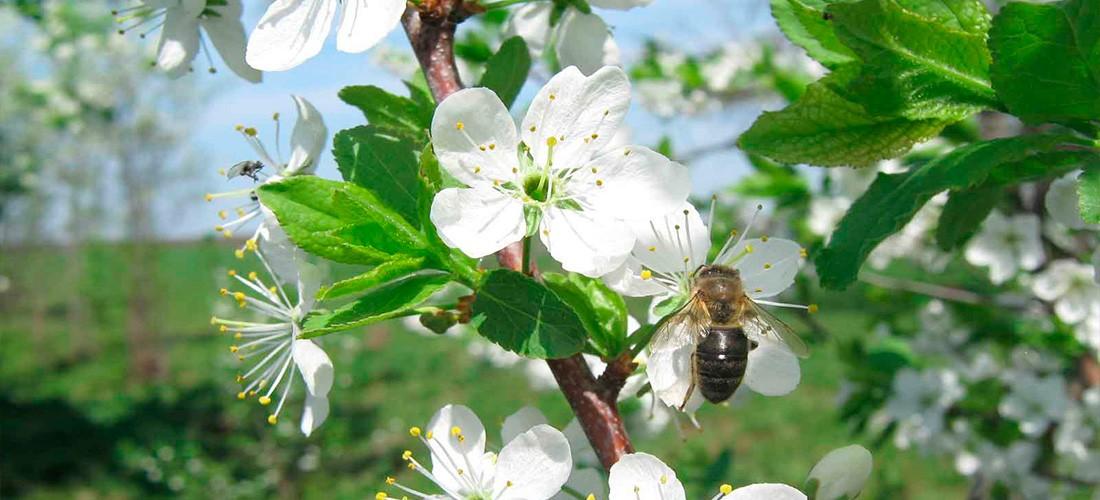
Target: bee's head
(716,271)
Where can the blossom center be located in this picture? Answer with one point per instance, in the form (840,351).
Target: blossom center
(537,186)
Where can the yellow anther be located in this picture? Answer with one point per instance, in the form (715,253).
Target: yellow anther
(552,97)
(546,232)
(238,253)
(264,400)
(646,274)
(515,170)
(767,266)
(240,212)
(481,148)
(532,128)
(239,378)
(219,228)
(764,238)
(271,289)
(412,466)
(461,472)
(239,128)
(590,497)
(492,146)
(803,253)
(460,125)
(594,170)
(223,214)
(223,292)
(234,349)
(239,296)
(595,136)
(652,248)
(477,170)
(250,131)
(748,248)
(626,152)
(272,419)
(812,308)
(507,484)
(251,393)
(253,276)
(223,328)
(391,480)
(414,431)
(429,434)
(231,273)
(227,233)
(407,454)
(664,479)
(599,182)
(241,395)
(725,489)
(209,197)
(238,336)
(250,245)
(758,290)
(275,116)
(551,141)
(380,496)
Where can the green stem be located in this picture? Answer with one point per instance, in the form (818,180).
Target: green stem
(526,255)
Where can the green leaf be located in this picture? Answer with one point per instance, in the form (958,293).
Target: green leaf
(963,213)
(523,316)
(392,300)
(339,221)
(382,273)
(915,66)
(601,310)
(507,70)
(1046,60)
(384,164)
(892,199)
(804,23)
(402,116)
(825,128)
(1088,194)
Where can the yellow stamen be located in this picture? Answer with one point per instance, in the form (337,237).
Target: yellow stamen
(646,274)
(264,400)
(812,308)
(725,489)
(414,431)
(272,419)
(460,126)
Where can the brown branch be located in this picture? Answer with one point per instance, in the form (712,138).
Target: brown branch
(431,30)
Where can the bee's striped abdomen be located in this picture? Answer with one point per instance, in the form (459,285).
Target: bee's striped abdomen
(720,360)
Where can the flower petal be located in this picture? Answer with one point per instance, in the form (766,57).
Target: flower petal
(364,23)
(841,473)
(585,242)
(1061,202)
(531,21)
(314,413)
(641,476)
(309,281)
(289,33)
(663,242)
(466,449)
(767,265)
(627,280)
(475,137)
(307,141)
(669,370)
(765,491)
(477,220)
(1029,243)
(634,182)
(533,466)
(581,113)
(772,370)
(520,421)
(179,42)
(226,32)
(585,41)
(315,367)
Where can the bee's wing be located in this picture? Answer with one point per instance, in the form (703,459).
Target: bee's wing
(683,327)
(761,322)
(237,169)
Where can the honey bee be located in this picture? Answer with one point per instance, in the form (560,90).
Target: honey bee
(723,325)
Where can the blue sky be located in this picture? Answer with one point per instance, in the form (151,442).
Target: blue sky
(693,25)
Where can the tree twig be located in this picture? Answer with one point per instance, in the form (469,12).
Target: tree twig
(431,31)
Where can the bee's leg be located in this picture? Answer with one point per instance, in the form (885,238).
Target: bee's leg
(691,388)
(753,345)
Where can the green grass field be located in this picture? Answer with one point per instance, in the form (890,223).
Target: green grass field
(77,421)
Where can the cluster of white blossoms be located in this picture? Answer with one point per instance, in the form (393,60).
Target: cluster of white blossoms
(267,343)
(290,32)
(539,462)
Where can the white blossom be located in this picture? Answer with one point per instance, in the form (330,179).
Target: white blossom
(918,402)
(272,347)
(841,473)
(578,39)
(1035,403)
(307,141)
(533,465)
(1069,285)
(182,25)
(557,169)
(1007,245)
(292,31)
(663,262)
